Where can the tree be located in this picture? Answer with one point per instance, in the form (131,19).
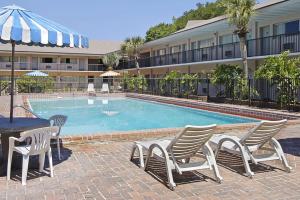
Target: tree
(111,60)
(283,72)
(239,13)
(226,75)
(131,49)
(159,31)
(202,12)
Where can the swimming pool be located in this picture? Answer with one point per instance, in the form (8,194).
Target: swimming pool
(105,115)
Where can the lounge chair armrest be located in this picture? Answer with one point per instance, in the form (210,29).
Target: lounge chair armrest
(229,139)
(162,149)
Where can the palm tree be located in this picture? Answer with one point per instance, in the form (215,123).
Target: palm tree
(111,60)
(131,49)
(239,13)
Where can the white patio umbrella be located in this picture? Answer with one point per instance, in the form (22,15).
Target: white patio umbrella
(21,26)
(110,74)
(36,74)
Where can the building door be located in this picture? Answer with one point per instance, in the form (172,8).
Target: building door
(81,65)
(265,40)
(34,63)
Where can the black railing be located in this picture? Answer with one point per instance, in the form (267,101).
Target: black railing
(96,67)
(283,94)
(256,47)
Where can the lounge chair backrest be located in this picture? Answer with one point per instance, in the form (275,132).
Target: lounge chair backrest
(91,87)
(39,139)
(263,133)
(105,87)
(189,141)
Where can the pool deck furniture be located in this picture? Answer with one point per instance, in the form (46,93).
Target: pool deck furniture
(176,153)
(105,88)
(91,89)
(37,142)
(20,124)
(59,121)
(254,140)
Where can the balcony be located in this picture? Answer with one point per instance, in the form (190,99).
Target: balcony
(51,66)
(256,47)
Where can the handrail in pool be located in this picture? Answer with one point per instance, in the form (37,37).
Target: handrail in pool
(27,110)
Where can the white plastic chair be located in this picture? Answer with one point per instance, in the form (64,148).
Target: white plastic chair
(176,153)
(59,121)
(105,88)
(39,144)
(91,88)
(253,141)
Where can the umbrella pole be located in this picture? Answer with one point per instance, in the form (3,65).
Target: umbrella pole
(12,81)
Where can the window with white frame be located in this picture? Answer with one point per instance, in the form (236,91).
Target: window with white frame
(175,49)
(5,58)
(286,28)
(193,45)
(206,43)
(225,39)
(68,60)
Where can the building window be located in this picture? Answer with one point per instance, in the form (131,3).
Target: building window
(47,60)
(5,59)
(68,60)
(206,43)
(183,47)
(286,28)
(193,46)
(225,39)
(175,49)
(292,27)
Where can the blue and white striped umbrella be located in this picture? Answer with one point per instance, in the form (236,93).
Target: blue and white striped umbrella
(36,74)
(21,26)
(25,27)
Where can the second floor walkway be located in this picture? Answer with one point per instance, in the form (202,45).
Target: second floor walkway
(256,47)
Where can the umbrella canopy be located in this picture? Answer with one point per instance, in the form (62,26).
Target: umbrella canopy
(36,74)
(110,73)
(21,26)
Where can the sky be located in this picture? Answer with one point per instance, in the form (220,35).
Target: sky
(108,19)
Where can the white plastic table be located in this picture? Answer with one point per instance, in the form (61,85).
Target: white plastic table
(14,129)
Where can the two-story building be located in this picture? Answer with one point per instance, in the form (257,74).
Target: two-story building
(65,65)
(203,44)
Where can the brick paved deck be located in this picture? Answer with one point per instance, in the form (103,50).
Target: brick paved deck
(103,171)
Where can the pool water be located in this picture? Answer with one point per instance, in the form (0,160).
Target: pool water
(98,115)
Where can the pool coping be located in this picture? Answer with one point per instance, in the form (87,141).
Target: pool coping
(237,110)
(167,132)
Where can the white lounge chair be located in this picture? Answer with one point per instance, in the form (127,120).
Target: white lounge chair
(176,153)
(253,141)
(91,88)
(105,88)
(59,121)
(39,145)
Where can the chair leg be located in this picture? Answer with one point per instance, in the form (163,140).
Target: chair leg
(41,162)
(58,148)
(50,162)
(132,152)
(171,183)
(25,168)
(278,149)
(212,161)
(141,155)
(9,161)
